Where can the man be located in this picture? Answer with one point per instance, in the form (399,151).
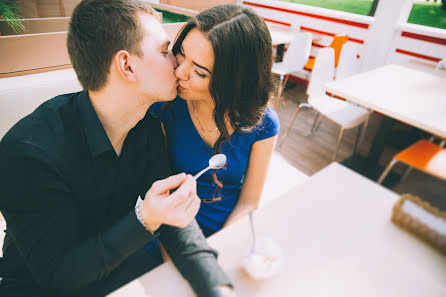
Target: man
(71,171)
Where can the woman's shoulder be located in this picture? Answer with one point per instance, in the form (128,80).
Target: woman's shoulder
(177,102)
(271,117)
(164,109)
(269,126)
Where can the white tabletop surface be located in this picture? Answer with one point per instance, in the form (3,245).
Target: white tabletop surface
(280,35)
(337,240)
(411,96)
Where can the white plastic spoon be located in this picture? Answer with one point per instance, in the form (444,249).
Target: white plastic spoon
(216,162)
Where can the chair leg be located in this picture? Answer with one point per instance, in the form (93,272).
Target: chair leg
(358,136)
(386,171)
(279,91)
(283,81)
(316,124)
(406,173)
(316,120)
(292,121)
(338,143)
(364,129)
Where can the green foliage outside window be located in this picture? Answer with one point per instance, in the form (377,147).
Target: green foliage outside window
(423,13)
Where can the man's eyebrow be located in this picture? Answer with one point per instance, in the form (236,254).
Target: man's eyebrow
(196,64)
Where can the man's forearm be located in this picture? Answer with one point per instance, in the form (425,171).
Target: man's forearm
(93,259)
(194,258)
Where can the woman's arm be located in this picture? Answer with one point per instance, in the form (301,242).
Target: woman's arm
(255,177)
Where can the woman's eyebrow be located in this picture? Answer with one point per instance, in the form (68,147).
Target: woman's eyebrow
(202,67)
(196,64)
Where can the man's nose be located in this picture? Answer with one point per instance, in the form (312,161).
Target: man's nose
(173,60)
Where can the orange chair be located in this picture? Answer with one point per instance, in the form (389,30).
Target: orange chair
(336,44)
(423,155)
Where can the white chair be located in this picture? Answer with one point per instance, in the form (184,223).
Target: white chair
(21,95)
(441,65)
(348,61)
(294,59)
(343,113)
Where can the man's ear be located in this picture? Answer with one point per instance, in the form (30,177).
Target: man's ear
(125,65)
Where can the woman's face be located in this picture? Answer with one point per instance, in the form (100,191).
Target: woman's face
(195,66)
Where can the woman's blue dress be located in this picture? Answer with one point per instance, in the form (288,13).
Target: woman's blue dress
(190,154)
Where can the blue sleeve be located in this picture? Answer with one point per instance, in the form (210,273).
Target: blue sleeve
(269,126)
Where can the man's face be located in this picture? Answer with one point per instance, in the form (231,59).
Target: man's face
(155,70)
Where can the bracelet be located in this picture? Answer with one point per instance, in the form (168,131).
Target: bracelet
(138,213)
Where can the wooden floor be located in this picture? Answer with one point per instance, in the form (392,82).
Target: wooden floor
(310,153)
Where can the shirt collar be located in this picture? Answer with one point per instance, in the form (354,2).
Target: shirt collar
(96,136)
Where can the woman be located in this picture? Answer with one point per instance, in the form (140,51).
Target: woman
(224,86)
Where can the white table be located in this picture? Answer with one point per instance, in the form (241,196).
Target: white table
(337,239)
(411,96)
(281,35)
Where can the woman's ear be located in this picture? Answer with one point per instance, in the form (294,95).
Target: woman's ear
(125,66)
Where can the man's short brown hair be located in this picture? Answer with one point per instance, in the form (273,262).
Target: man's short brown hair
(98,30)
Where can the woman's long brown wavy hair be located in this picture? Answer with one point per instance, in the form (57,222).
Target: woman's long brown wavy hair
(241,81)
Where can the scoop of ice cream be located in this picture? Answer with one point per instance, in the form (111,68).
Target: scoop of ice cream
(265,261)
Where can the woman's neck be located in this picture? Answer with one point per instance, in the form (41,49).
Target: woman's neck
(204,107)
(203,112)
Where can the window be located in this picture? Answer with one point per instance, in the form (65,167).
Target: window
(432,14)
(364,7)
(171,17)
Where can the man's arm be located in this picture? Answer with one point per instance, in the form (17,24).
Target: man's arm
(194,258)
(43,222)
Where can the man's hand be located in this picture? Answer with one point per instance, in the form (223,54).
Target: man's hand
(177,209)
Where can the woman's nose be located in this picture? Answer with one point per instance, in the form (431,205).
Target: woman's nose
(181,71)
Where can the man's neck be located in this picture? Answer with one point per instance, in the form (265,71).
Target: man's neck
(118,111)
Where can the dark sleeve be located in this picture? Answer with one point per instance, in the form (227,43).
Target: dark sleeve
(43,222)
(187,247)
(193,257)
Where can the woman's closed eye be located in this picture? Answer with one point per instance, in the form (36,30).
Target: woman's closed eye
(200,74)
(181,55)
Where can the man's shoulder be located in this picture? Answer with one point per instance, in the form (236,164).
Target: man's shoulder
(47,125)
